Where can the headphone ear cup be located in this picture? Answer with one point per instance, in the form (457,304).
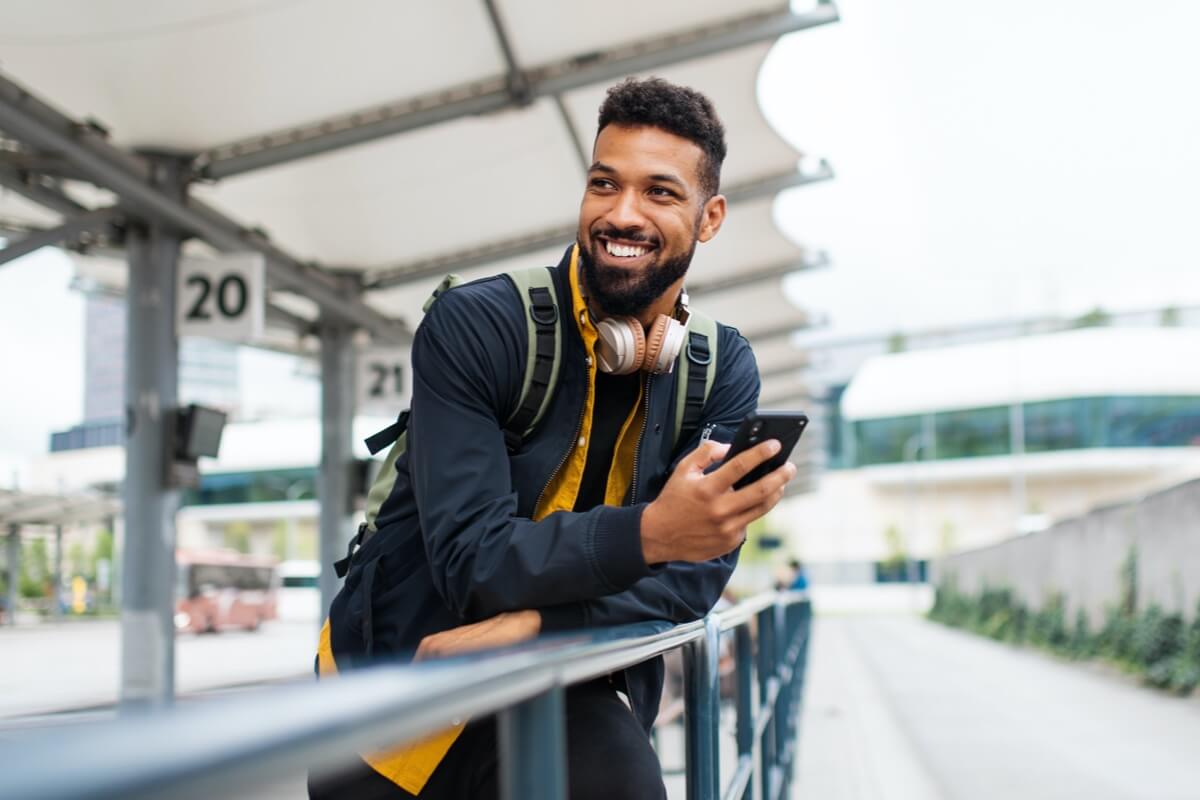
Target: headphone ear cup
(621,345)
(655,339)
(674,337)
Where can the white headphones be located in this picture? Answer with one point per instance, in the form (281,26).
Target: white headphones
(624,347)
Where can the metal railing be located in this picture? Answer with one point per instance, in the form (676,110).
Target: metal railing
(215,747)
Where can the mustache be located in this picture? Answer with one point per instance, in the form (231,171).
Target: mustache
(626,234)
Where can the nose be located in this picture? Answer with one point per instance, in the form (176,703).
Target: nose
(626,212)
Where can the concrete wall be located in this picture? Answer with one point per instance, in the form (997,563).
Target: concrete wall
(1082,557)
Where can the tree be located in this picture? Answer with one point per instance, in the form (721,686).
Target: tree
(35,579)
(1096,318)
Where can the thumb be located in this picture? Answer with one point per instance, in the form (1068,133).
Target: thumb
(707,454)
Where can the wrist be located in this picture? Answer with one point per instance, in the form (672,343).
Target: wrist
(651,530)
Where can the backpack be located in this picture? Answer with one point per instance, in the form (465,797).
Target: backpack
(696,365)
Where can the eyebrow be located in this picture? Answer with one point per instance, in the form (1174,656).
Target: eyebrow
(661,177)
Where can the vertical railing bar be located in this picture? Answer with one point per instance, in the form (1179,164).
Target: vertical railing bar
(533,751)
(744,673)
(702,712)
(766,675)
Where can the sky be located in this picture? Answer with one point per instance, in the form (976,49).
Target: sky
(993,161)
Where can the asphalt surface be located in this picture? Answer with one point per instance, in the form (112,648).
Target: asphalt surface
(52,668)
(897,707)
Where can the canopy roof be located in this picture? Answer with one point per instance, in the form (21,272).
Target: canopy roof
(290,114)
(57,508)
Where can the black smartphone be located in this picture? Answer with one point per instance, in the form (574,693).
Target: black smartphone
(759,426)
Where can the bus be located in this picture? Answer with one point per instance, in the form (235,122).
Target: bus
(223,589)
(299,595)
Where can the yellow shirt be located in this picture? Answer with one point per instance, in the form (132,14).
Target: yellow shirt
(411,766)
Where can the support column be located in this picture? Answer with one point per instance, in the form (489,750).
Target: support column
(13,564)
(333,479)
(58,571)
(151,386)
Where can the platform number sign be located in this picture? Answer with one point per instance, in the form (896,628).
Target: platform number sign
(221,298)
(384,386)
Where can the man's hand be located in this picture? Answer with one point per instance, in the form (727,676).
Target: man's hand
(698,517)
(503,629)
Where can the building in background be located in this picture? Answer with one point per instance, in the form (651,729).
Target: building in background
(208,375)
(933,451)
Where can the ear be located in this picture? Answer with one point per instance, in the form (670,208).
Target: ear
(711,217)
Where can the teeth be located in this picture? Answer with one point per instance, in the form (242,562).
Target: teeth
(625,250)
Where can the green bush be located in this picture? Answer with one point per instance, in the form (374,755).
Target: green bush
(1160,647)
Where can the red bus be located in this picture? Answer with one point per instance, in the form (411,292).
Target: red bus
(222,589)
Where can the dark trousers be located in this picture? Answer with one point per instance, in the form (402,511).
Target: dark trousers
(608,758)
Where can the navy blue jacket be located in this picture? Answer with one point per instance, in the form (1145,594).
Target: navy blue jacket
(456,543)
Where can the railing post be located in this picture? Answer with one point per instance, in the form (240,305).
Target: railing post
(702,709)
(744,666)
(767,675)
(533,751)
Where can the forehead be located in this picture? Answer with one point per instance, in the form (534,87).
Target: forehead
(644,150)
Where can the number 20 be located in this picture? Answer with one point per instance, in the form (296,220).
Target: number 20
(232,296)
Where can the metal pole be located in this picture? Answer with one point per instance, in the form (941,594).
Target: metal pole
(768,676)
(533,752)
(333,479)
(58,571)
(13,562)
(148,557)
(744,655)
(702,697)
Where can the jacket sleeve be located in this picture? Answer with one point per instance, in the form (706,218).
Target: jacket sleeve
(468,364)
(680,591)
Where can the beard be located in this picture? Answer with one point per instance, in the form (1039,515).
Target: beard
(620,293)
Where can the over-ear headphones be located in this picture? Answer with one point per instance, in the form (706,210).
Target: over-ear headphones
(623,347)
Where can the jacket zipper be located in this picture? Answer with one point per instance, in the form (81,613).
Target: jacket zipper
(637,456)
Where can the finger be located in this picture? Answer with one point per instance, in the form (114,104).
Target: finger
(737,467)
(757,511)
(748,497)
(704,456)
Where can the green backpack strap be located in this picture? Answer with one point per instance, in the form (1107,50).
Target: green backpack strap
(697,367)
(544,355)
(536,289)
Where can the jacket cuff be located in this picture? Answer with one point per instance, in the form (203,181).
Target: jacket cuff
(563,617)
(616,549)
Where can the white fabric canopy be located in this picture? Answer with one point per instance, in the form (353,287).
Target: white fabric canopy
(225,76)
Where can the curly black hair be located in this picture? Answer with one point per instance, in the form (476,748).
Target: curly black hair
(675,109)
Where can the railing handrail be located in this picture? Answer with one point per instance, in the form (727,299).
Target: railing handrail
(201,750)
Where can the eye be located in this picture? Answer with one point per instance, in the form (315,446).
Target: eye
(601,183)
(662,191)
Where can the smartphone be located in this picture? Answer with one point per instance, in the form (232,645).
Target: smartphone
(759,426)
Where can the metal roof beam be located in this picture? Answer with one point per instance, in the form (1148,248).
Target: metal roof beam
(37,190)
(41,127)
(790,368)
(759,275)
(778,331)
(469,258)
(90,221)
(502,92)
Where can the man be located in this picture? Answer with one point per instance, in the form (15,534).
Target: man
(597,517)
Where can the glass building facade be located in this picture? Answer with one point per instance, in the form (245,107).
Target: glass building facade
(1050,425)
(261,486)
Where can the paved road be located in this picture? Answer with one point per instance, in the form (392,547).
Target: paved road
(900,708)
(56,667)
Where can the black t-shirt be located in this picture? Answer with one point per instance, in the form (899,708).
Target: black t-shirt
(615,396)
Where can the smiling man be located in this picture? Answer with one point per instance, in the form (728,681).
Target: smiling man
(605,510)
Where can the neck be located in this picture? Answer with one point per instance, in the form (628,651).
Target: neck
(665,305)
